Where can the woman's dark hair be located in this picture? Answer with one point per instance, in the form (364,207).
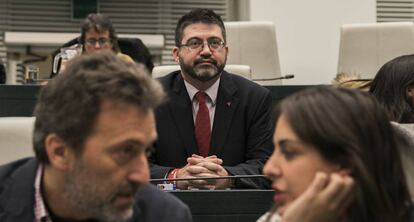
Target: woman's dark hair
(349,127)
(390,88)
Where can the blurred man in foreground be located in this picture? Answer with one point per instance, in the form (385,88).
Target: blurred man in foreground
(92,132)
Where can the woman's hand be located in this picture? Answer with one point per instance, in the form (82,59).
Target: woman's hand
(325,200)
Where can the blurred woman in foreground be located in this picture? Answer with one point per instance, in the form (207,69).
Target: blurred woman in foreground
(336,158)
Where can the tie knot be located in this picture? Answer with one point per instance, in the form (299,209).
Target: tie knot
(200,96)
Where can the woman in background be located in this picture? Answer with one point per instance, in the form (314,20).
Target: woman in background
(98,33)
(336,158)
(393,87)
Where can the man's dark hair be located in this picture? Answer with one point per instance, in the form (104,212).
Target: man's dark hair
(99,23)
(70,104)
(206,16)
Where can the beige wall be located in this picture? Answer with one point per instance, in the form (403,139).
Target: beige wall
(308,33)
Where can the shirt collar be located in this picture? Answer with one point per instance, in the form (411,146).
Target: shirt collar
(211,92)
(40,211)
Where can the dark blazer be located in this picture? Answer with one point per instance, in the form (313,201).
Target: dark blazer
(241,135)
(17,197)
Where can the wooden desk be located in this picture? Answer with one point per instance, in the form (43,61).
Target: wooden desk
(226,205)
(19,100)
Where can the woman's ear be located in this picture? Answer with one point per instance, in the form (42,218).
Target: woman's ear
(341,170)
(410,91)
(59,153)
(344,172)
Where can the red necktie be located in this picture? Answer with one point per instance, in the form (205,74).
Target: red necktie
(202,125)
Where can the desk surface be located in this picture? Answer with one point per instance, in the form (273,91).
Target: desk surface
(20,100)
(226,205)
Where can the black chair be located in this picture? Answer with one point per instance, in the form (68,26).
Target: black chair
(133,47)
(136,49)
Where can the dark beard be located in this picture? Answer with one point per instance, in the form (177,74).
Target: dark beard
(82,193)
(202,77)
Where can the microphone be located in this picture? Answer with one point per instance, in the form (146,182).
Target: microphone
(289,76)
(208,178)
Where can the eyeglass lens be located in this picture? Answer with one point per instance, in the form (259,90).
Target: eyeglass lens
(213,43)
(101,41)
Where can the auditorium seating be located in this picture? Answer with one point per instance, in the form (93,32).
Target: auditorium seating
(254,43)
(15,138)
(364,48)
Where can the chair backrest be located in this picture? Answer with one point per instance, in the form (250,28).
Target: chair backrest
(136,49)
(254,44)
(364,48)
(242,70)
(407,155)
(15,138)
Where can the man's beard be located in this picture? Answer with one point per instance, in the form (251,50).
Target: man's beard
(202,74)
(85,193)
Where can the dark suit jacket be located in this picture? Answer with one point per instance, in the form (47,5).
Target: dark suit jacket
(241,135)
(17,197)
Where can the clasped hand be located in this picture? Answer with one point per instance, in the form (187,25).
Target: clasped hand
(198,166)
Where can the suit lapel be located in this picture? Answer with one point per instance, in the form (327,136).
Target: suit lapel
(226,106)
(181,109)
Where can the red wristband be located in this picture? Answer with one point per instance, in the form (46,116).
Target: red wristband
(172,175)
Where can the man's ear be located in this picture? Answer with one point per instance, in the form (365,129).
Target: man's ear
(60,155)
(175,52)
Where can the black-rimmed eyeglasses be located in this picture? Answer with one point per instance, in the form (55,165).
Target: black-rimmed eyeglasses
(101,41)
(214,44)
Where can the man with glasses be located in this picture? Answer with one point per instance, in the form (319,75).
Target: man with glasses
(215,123)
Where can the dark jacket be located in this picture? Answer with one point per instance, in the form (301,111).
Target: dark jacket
(17,197)
(241,134)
